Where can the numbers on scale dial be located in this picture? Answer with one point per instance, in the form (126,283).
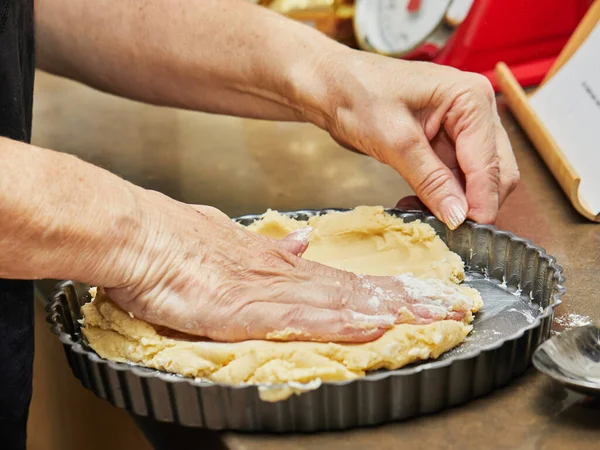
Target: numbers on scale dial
(398,26)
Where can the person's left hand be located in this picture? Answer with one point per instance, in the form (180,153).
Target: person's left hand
(191,269)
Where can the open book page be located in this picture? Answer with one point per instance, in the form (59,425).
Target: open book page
(568,104)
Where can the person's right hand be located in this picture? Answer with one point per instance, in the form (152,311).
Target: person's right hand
(437,126)
(200,273)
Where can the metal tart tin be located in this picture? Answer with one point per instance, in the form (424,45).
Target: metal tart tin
(520,284)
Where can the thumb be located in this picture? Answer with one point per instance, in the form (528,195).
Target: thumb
(297,241)
(433,182)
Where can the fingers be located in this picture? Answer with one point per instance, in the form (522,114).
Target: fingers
(294,322)
(509,171)
(445,149)
(357,294)
(409,299)
(433,182)
(482,174)
(471,123)
(297,241)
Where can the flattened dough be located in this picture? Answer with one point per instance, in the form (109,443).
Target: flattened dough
(369,241)
(365,240)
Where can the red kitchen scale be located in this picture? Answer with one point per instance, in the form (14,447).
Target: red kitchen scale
(472,35)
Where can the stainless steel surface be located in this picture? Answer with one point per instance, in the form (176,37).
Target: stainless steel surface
(243,166)
(573,359)
(520,285)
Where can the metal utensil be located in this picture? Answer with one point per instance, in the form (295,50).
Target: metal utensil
(573,359)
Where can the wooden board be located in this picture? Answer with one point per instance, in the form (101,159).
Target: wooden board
(519,103)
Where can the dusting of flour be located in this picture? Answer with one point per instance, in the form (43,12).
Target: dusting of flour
(573,320)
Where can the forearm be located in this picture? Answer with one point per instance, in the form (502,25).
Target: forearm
(222,56)
(61,217)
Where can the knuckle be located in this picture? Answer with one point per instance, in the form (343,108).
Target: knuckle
(433,182)
(410,137)
(466,111)
(514,180)
(492,168)
(474,100)
(270,257)
(404,135)
(482,87)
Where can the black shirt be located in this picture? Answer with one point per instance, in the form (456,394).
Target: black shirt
(16,297)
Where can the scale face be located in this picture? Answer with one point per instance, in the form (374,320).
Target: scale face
(396,27)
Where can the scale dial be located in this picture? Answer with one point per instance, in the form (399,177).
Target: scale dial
(395,27)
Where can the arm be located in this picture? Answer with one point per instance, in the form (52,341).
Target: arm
(437,126)
(62,218)
(185,267)
(222,56)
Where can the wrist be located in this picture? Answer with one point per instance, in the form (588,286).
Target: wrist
(305,63)
(319,90)
(119,253)
(81,224)
(107,238)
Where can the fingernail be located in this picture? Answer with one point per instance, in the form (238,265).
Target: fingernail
(301,235)
(452,212)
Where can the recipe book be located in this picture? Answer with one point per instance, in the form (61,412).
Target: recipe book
(568,104)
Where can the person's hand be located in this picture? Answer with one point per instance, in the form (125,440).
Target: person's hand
(198,272)
(437,126)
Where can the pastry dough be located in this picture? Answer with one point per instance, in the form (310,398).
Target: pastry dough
(369,241)
(365,240)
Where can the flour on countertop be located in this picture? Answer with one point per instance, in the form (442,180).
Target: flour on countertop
(573,320)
